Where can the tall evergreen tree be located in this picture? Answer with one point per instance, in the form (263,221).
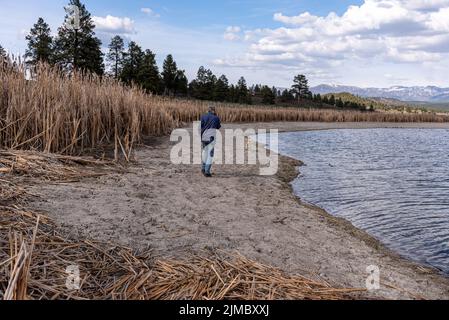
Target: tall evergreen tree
(148,72)
(132,64)
(268,96)
(275,92)
(3,56)
(39,43)
(340,104)
(203,87)
(2,52)
(300,87)
(243,92)
(169,73)
(181,83)
(222,89)
(233,94)
(78,48)
(115,55)
(287,96)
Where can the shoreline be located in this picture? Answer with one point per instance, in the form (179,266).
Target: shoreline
(294,173)
(171,210)
(350,228)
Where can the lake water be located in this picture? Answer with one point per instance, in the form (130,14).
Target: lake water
(392,183)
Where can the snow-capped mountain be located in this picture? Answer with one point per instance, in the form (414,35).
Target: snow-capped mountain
(422,94)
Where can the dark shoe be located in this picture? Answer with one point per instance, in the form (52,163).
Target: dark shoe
(208,175)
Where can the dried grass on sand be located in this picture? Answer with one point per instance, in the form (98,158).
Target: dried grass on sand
(34,258)
(35,255)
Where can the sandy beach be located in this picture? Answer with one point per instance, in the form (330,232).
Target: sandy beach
(173,211)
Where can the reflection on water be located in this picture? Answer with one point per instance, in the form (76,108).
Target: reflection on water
(393,183)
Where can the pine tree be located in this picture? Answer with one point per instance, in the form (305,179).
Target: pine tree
(132,64)
(268,96)
(181,83)
(116,55)
(169,73)
(148,72)
(275,92)
(340,104)
(222,89)
(243,93)
(3,57)
(301,87)
(232,95)
(79,49)
(39,43)
(287,96)
(203,87)
(2,52)
(332,100)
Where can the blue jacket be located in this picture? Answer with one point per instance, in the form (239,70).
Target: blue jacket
(209,124)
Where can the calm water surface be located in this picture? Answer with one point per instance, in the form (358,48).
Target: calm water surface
(393,183)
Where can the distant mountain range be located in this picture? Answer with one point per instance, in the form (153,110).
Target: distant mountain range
(429,94)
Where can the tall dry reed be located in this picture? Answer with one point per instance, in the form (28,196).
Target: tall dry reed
(55,112)
(65,114)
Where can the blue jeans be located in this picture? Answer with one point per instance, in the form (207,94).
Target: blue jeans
(208,156)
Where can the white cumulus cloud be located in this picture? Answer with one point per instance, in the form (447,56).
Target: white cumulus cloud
(150,12)
(232,33)
(116,25)
(386,31)
(439,20)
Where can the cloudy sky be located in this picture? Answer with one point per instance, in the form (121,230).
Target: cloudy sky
(377,43)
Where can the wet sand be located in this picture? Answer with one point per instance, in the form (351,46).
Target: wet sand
(174,211)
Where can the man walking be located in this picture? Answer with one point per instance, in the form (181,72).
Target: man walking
(210,123)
